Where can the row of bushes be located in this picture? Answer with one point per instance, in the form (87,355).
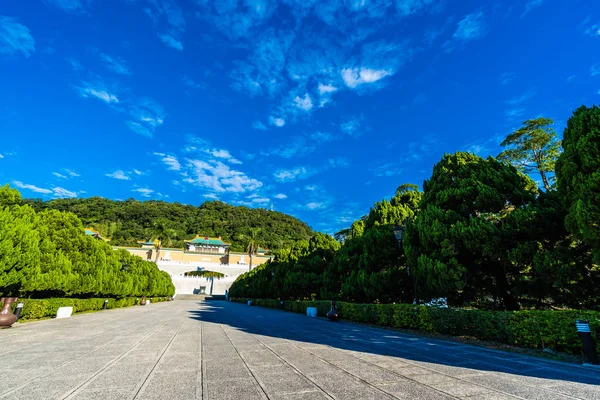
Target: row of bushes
(47,308)
(532,329)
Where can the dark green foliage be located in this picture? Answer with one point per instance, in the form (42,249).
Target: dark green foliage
(578,175)
(532,329)
(47,254)
(126,222)
(46,308)
(470,221)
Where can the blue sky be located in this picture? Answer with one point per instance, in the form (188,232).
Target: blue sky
(317,109)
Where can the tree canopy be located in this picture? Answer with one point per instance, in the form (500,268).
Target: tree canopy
(127,222)
(47,254)
(533,148)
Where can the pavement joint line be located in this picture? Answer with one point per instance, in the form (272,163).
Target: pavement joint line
(74,391)
(317,331)
(203,384)
(56,368)
(294,368)
(395,373)
(137,392)
(256,382)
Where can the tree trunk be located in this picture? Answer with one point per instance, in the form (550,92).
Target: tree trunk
(503,291)
(157,252)
(250,266)
(545,180)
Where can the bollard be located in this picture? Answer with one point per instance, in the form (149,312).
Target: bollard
(105,305)
(18,310)
(583,328)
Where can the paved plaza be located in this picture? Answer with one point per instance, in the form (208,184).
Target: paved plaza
(218,350)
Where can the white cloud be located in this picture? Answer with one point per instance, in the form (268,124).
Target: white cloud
(595,70)
(530,5)
(170,161)
(1,156)
(71,173)
(352,127)
(315,205)
(310,188)
(200,145)
(280,196)
(58,175)
(15,38)
(33,188)
(388,169)
(304,103)
(296,148)
(322,137)
(211,196)
(98,90)
(259,126)
(119,174)
(279,122)
(593,30)
(62,192)
(514,113)
(116,65)
(261,200)
(193,84)
(137,172)
(354,77)
(339,162)
(148,116)
(171,41)
(143,191)
(219,177)
(471,27)
(324,89)
(290,175)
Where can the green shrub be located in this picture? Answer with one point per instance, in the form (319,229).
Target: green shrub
(532,329)
(47,308)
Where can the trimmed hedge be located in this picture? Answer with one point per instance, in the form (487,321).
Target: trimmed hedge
(47,308)
(531,329)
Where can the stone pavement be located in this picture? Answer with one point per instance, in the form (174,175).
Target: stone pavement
(218,350)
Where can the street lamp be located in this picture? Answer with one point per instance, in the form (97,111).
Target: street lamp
(399,234)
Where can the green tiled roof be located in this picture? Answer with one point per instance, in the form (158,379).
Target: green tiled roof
(148,243)
(90,232)
(209,241)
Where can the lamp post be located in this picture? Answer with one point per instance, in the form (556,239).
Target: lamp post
(399,233)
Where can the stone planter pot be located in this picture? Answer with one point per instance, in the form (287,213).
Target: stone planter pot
(7,318)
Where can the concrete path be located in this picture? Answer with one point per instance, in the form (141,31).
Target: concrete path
(219,350)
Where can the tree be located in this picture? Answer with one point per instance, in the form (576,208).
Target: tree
(162,233)
(533,148)
(252,243)
(459,243)
(578,175)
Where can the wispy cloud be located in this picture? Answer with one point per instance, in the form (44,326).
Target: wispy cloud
(276,121)
(119,174)
(55,191)
(530,5)
(297,147)
(326,88)
(280,196)
(315,205)
(33,188)
(304,103)
(471,27)
(171,41)
(595,70)
(521,99)
(322,137)
(203,146)
(189,82)
(388,169)
(71,173)
(592,30)
(292,174)
(170,12)
(96,89)
(15,38)
(353,126)
(59,175)
(170,161)
(259,126)
(115,64)
(354,77)
(70,6)
(507,77)
(146,192)
(514,113)
(147,116)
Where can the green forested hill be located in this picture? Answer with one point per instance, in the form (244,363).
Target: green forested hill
(126,222)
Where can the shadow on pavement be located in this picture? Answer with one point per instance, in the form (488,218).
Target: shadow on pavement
(442,356)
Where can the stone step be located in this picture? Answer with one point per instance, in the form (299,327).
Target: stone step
(191,296)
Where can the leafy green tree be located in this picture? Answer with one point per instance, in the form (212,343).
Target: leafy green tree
(459,241)
(533,148)
(252,243)
(578,173)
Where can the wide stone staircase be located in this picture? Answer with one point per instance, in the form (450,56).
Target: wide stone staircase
(199,297)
